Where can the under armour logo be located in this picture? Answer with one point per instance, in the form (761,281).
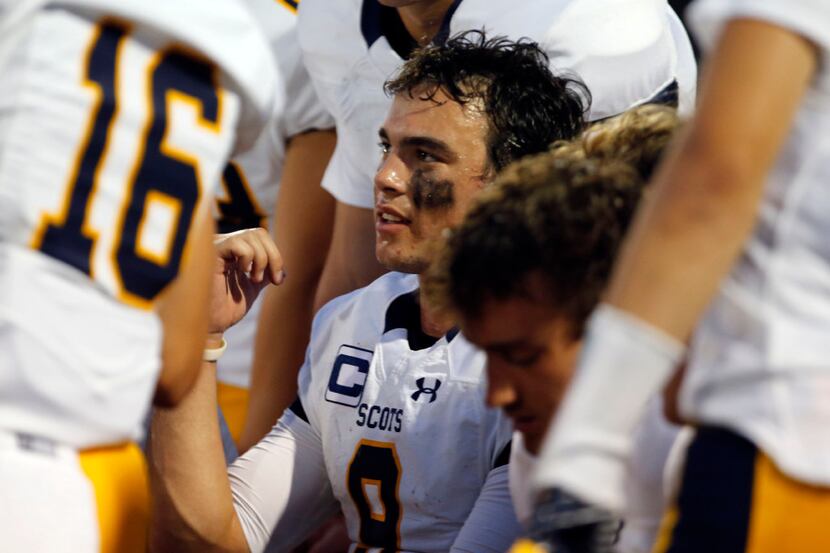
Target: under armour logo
(422,389)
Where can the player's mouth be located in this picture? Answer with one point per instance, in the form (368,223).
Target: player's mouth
(389,220)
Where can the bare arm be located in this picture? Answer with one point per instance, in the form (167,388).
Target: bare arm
(705,198)
(684,241)
(183,310)
(192,502)
(304,215)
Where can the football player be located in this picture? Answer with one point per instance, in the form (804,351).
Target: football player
(115,124)
(526,267)
(627,52)
(281,173)
(729,252)
(389,424)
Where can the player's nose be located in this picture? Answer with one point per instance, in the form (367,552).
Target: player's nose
(391,177)
(500,389)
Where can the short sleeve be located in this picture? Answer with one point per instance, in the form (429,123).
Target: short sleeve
(808,18)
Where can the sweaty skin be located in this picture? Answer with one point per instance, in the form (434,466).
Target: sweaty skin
(428,193)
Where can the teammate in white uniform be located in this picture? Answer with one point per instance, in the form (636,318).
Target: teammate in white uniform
(390,422)
(746,198)
(525,269)
(627,52)
(115,123)
(251,183)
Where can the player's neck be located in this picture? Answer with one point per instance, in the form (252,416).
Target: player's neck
(423,19)
(432,323)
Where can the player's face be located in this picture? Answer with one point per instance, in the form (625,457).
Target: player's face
(434,164)
(531,354)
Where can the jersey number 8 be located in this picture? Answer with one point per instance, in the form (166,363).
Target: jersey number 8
(373,481)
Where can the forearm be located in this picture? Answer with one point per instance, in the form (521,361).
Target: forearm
(192,502)
(684,240)
(182,309)
(706,197)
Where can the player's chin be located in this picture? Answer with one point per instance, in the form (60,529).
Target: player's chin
(393,259)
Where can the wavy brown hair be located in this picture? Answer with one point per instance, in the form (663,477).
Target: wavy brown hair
(563,214)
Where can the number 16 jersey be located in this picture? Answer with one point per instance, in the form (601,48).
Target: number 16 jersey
(115,122)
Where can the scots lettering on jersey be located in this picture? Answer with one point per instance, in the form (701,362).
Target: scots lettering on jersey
(348,375)
(388,419)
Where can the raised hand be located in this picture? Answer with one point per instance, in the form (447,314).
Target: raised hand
(246,262)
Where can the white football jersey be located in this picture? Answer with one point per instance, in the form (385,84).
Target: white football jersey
(627,52)
(403,438)
(759,358)
(115,123)
(250,183)
(646,496)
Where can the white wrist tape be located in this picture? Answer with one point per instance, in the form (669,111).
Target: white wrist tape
(624,362)
(213,354)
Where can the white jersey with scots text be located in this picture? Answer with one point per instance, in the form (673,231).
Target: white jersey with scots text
(391,426)
(115,123)
(250,183)
(760,359)
(627,52)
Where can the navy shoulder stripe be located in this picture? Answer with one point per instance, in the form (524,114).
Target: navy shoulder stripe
(504,456)
(297,409)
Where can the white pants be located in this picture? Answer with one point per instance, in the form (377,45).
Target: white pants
(47,505)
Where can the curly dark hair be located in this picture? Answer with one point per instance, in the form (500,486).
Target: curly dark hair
(563,214)
(528,107)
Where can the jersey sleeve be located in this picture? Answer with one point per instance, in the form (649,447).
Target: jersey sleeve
(280,486)
(491,525)
(522,465)
(341,175)
(808,18)
(623,51)
(303,109)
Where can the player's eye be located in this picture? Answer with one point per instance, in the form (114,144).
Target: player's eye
(384,147)
(425,156)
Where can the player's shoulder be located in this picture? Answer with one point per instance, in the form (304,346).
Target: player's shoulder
(276,18)
(366,305)
(808,18)
(225,33)
(331,36)
(354,321)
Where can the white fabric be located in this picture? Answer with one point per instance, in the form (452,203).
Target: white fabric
(644,484)
(625,51)
(446,449)
(80,357)
(261,167)
(759,358)
(280,486)
(624,362)
(479,534)
(67,521)
(646,495)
